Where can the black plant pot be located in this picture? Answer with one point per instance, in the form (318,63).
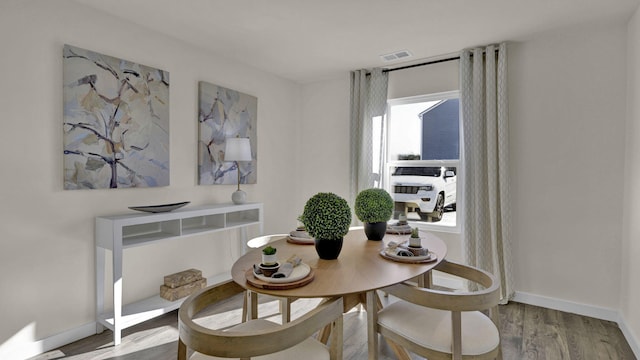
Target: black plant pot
(375,231)
(328,249)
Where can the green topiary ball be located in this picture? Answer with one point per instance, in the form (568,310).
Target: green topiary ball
(326,216)
(374,205)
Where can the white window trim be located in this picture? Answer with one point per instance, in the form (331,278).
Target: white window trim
(457,229)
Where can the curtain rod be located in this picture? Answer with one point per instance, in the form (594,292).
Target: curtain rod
(422,64)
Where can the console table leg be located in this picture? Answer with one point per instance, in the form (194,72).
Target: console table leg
(243,240)
(100,253)
(117,294)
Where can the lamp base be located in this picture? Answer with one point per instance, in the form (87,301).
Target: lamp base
(239,197)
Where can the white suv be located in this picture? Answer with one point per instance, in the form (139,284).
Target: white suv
(426,189)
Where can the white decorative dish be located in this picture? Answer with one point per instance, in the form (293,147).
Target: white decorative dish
(302,239)
(299,272)
(160,208)
(392,254)
(301,236)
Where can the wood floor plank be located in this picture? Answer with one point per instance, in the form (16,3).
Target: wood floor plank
(544,338)
(511,335)
(527,332)
(607,339)
(579,344)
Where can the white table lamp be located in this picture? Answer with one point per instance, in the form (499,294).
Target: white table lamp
(238,149)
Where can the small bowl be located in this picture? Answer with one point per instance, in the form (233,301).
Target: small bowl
(268,270)
(418,251)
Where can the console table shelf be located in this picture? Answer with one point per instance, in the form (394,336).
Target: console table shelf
(150,308)
(118,232)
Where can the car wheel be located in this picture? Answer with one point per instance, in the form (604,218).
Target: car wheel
(436,215)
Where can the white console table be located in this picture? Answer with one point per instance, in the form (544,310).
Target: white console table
(119,232)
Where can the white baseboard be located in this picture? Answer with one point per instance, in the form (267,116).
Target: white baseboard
(584,310)
(567,306)
(20,348)
(631,337)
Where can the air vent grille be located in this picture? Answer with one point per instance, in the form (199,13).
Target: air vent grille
(398,55)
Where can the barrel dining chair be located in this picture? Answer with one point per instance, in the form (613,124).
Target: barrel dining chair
(444,323)
(258,339)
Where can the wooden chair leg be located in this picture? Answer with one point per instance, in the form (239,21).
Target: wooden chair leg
(182,350)
(324,334)
(401,353)
(337,334)
(494,315)
(245,302)
(456,336)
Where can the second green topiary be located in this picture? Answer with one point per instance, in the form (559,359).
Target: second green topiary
(373,205)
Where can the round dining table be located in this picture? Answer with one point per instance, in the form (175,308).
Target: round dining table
(356,274)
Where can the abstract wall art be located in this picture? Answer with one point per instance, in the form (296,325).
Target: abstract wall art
(116,122)
(225,113)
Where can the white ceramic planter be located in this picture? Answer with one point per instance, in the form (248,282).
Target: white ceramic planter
(269,259)
(415,242)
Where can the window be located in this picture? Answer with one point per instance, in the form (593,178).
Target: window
(423,159)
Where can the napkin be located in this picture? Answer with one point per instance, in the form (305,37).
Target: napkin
(294,260)
(403,252)
(285,270)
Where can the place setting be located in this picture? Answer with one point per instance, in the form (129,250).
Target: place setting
(300,236)
(274,275)
(401,227)
(410,251)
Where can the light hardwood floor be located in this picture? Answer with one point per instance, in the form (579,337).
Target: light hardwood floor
(527,332)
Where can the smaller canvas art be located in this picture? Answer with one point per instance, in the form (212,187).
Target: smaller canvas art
(225,113)
(116,122)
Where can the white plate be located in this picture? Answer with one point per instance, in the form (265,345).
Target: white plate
(300,234)
(299,272)
(302,239)
(392,253)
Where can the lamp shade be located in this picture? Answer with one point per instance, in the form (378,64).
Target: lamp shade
(237,149)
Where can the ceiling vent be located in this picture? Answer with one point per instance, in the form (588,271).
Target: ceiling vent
(398,55)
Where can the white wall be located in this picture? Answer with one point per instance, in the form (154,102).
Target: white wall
(567,115)
(322,144)
(630,282)
(46,234)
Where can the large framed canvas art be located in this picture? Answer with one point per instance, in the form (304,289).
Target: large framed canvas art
(116,122)
(225,113)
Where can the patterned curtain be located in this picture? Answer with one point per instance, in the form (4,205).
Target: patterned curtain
(368,107)
(483,77)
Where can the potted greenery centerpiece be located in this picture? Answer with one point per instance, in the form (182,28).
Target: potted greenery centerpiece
(374,208)
(269,264)
(414,240)
(269,255)
(326,218)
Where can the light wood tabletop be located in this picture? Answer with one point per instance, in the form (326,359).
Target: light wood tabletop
(355,275)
